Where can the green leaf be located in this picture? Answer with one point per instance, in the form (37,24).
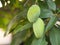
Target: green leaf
(40,41)
(20,37)
(46,13)
(38,28)
(51,5)
(33,13)
(29,40)
(15,20)
(51,23)
(42,4)
(55,36)
(21,28)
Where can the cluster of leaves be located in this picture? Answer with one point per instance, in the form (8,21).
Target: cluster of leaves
(22,29)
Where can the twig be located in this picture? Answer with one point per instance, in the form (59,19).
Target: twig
(26,3)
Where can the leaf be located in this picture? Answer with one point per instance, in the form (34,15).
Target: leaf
(55,36)
(38,28)
(33,13)
(51,23)
(21,28)
(20,37)
(46,13)
(51,5)
(40,41)
(15,20)
(29,40)
(42,4)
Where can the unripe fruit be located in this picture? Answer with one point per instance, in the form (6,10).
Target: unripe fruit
(33,13)
(38,28)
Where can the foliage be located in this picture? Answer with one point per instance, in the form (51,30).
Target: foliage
(16,17)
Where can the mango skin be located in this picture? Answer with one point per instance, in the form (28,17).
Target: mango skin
(33,13)
(38,28)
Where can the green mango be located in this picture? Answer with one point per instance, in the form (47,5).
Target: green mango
(33,13)
(38,28)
